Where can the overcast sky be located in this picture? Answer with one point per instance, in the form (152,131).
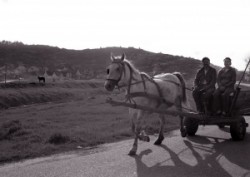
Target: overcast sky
(191,28)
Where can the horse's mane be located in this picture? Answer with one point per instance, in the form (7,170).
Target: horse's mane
(131,65)
(135,69)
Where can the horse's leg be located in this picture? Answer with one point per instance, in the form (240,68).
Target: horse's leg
(132,114)
(179,108)
(136,127)
(161,135)
(143,135)
(182,129)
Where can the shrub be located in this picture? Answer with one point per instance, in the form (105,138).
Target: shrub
(58,138)
(9,128)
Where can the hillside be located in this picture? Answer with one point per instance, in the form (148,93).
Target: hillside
(23,60)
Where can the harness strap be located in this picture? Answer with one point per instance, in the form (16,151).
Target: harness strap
(130,79)
(143,81)
(150,96)
(162,100)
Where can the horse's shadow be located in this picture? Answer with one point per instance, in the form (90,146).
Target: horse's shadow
(206,166)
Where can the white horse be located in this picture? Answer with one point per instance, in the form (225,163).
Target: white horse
(163,91)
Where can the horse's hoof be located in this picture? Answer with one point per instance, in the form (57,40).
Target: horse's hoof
(132,153)
(183,133)
(158,142)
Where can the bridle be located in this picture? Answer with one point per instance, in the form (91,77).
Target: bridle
(123,71)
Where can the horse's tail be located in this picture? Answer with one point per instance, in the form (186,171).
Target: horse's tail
(183,85)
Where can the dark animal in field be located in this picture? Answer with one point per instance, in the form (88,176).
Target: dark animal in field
(41,79)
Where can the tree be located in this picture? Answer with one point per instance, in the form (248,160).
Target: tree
(78,75)
(20,70)
(33,70)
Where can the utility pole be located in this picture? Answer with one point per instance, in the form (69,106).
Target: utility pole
(5,74)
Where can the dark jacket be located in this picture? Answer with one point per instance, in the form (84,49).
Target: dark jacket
(209,78)
(226,78)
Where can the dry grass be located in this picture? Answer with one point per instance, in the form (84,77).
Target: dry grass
(75,115)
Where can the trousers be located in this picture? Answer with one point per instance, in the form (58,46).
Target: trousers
(222,100)
(202,98)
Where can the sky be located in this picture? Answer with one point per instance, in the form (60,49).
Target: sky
(190,28)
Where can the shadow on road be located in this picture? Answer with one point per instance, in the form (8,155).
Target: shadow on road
(209,165)
(237,152)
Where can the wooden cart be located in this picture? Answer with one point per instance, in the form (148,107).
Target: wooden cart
(236,121)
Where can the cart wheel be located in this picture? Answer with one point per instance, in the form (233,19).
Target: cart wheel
(191,126)
(238,129)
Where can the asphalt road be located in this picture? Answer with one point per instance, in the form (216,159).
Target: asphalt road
(211,153)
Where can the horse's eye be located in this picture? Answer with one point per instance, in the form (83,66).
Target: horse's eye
(107,71)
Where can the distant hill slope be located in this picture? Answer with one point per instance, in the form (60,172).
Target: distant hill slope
(54,59)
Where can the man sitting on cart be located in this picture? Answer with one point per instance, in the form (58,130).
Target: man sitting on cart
(226,81)
(204,86)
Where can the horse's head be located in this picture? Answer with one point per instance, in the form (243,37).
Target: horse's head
(114,72)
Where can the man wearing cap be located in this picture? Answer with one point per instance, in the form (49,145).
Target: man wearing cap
(226,81)
(204,86)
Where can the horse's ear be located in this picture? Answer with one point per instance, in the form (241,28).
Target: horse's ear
(112,57)
(123,56)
